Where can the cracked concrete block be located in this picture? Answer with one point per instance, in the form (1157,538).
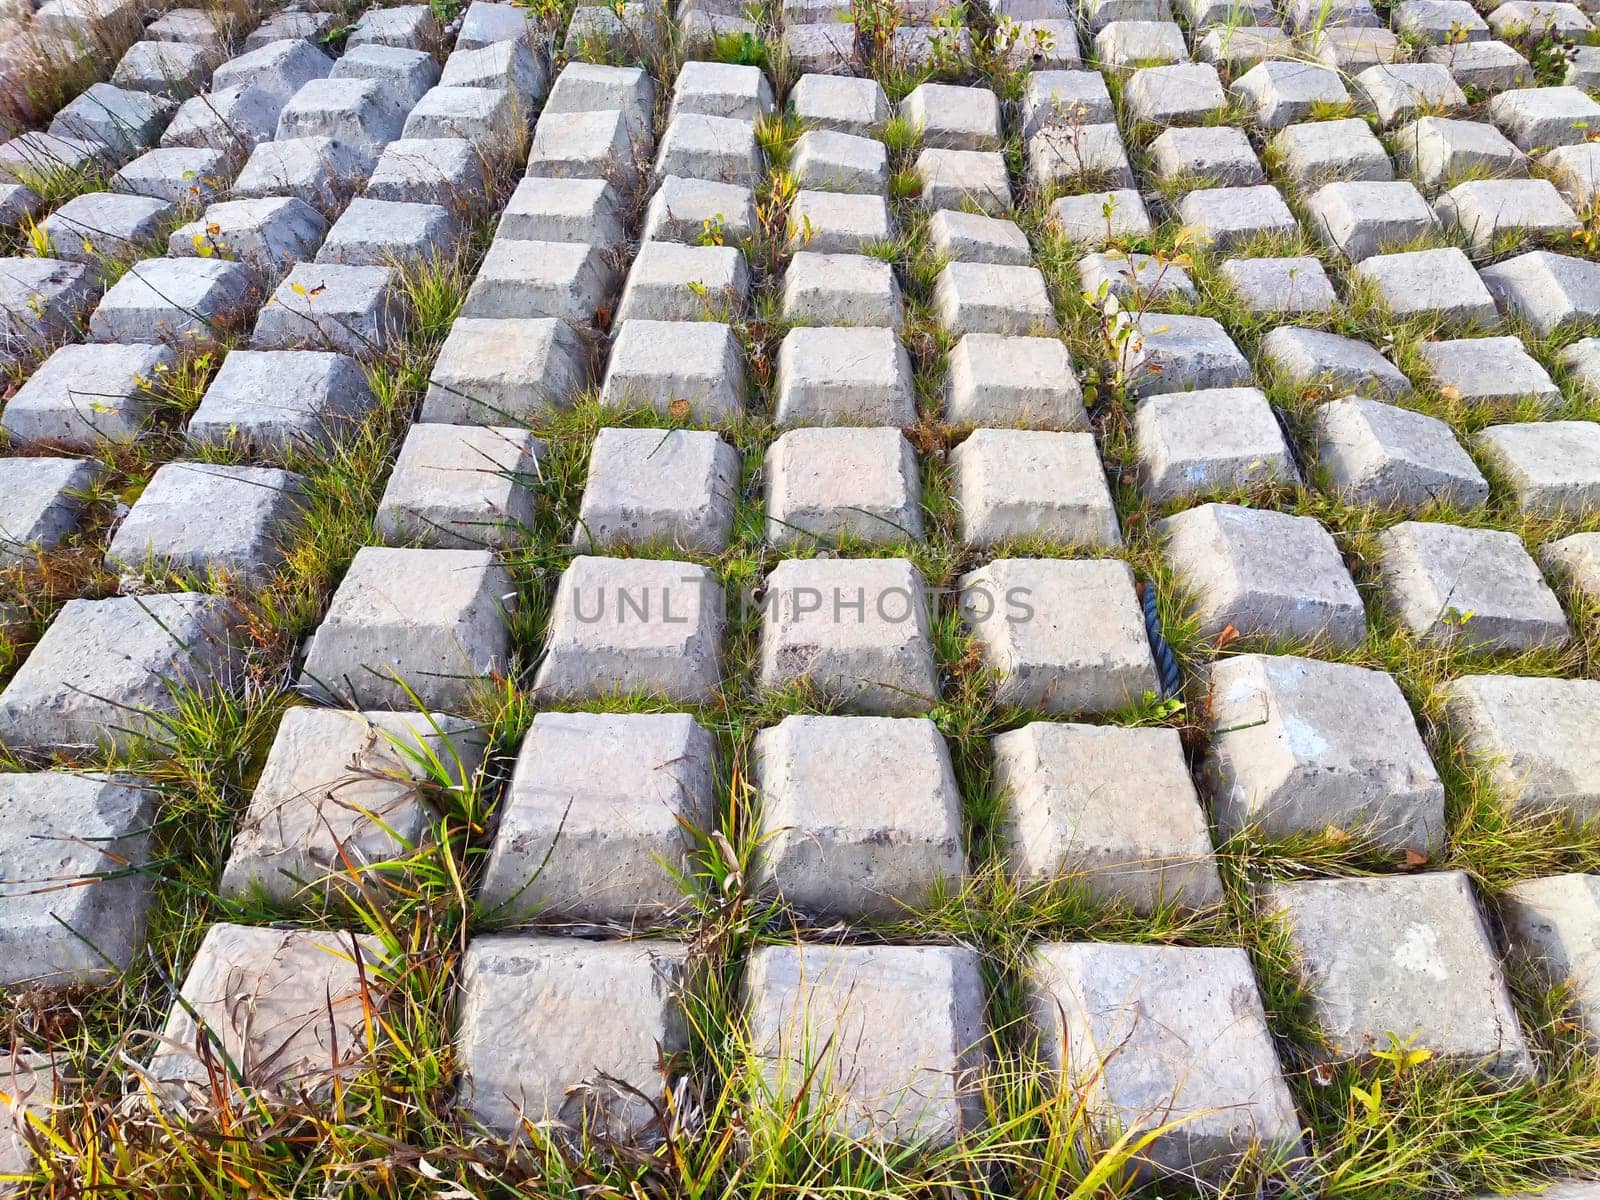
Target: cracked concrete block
(1385,456)
(329,306)
(504,371)
(840,103)
(84,397)
(1536,117)
(363,113)
(1166,1041)
(1210,442)
(272,403)
(964,179)
(564,281)
(1288,286)
(1266,574)
(1436,283)
(601,809)
(860,816)
(841,289)
(1064,637)
(1551,926)
(669,487)
(1495,372)
(1531,737)
(1299,746)
(106,673)
(1315,359)
(842,484)
(41,502)
(408,626)
(885,1042)
(75,852)
(342,798)
(457,487)
(206,522)
(1366,218)
(1408,953)
(844,376)
(1008,381)
(269,235)
(696,211)
(634,627)
(1485,209)
(175,299)
(676,368)
(1476,588)
(852,631)
(720,149)
(1551,467)
(670,282)
(1317,153)
(1016,484)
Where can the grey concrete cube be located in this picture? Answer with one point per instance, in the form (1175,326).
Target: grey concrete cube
(321,171)
(1137,43)
(1363,219)
(445,171)
(189,178)
(1184,93)
(854,632)
(504,371)
(42,301)
(1402,92)
(289,26)
(1281,93)
(964,179)
(361,112)
(1111,810)
(1390,457)
(174,69)
(1238,48)
(831,1026)
(1348,47)
(411,625)
(1551,467)
(626,626)
(585,87)
(410,26)
(989,298)
(1021,484)
(279,69)
(814,47)
(485,23)
(268,235)
(845,376)
(1100,218)
(456,487)
(1169,353)
(232,119)
(1063,99)
(1264,573)
(860,816)
(36,159)
(1494,372)
(330,306)
(838,222)
(566,281)
(1317,153)
(1523,20)
(1134,279)
(954,118)
(486,117)
(107,673)
(843,104)
(1544,116)
(1299,746)
(599,144)
(270,403)
(697,210)
(717,148)
(1209,442)
(1407,953)
(1075,158)
(406,75)
(175,299)
(1229,218)
(672,367)
(1551,926)
(208,522)
(578,842)
(970,237)
(291,1008)
(1166,1042)
(1007,381)
(75,849)
(1574,562)
(41,501)
(563,210)
(1213,154)
(840,484)
(1486,209)
(842,289)
(1436,283)
(121,121)
(341,799)
(1290,286)
(1530,736)
(1476,588)
(1488,66)
(1313,359)
(379,233)
(827,161)
(1551,292)
(1575,170)
(669,487)
(717,89)
(511,66)
(1063,637)
(669,282)
(1440,151)
(83,397)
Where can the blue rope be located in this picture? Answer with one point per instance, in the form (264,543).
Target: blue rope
(1166,661)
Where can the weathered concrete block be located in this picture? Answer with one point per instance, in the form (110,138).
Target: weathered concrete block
(1402,92)
(1205,443)
(203,521)
(175,299)
(1296,286)
(1100,218)
(188,178)
(1281,93)
(565,281)
(409,26)
(695,210)
(1210,155)
(233,119)
(668,366)
(1021,484)
(600,811)
(1439,21)
(406,75)
(502,372)
(1490,371)
(1544,116)
(278,69)
(1177,353)
(511,66)
(74,849)
(1575,170)
(361,112)
(970,237)
(1064,637)
(964,179)
(987,298)
(602,1014)
(341,798)
(841,289)
(174,69)
(1184,93)
(1553,926)
(83,397)
(1533,738)
(833,1022)
(636,33)
(291,26)
(1349,48)
(457,487)
(1097,14)
(663,487)
(1551,467)
(1478,588)
(42,300)
(1488,66)
(717,89)
(1238,48)
(669,282)
(827,161)
(447,171)
(1485,209)
(860,816)
(1439,283)
(847,376)
(1551,292)
(954,118)
(1170,1041)
(1230,218)
(41,500)
(1063,99)
(486,117)
(1318,153)
(563,210)
(381,233)
(1407,953)
(587,87)
(408,626)
(484,24)
(269,403)
(1006,381)
(329,306)
(38,159)
(1315,359)
(1439,151)
(1519,20)
(620,626)
(1390,457)
(839,484)
(321,171)
(717,148)
(104,673)
(1264,573)
(120,121)
(840,103)
(1113,810)
(1574,561)
(1074,158)
(852,631)
(269,235)
(1363,219)
(291,1008)
(1137,43)
(838,222)
(1045,44)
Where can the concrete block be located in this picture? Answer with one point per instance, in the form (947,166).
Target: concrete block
(1551,292)
(860,816)
(1005,381)
(1553,926)
(485,23)
(84,397)
(512,67)
(1401,92)
(363,113)
(1208,443)
(841,289)
(1531,737)
(698,211)
(986,298)
(1488,66)
(385,233)
(1535,117)
(842,484)
(1496,372)
(1350,49)
(1267,574)
(964,179)
(632,626)
(1239,48)
(486,117)
(1575,170)
(291,26)
(175,299)
(840,103)
(636,33)
(408,626)
(409,26)
(659,487)
(1100,218)
(269,235)
(1184,93)
(953,118)
(445,171)
(1385,456)
(1574,562)
(1550,467)
(1137,43)
(1047,44)
(853,632)
(1299,746)
(504,371)
(104,674)
(1064,99)
(41,501)
(174,69)
(1178,353)
(120,121)
(1439,152)
(1013,484)
(1313,359)
(844,376)
(1290,286)
(1229,219)
(185,177)
(970,237)
(1485,209)
(716,89)
(278,69)
(720,149)
(564,210)
(1316,153)
(669,282)
(329,306)
(1439,22)
(271,403)
(457,487)
(42,302)
(827,161)
(1525,20)
(1217,155)
(674,368)
(406,75)
(38,159)
(233,119)
(565,281)
(1435,283)
(1363,219)
(1281,93)
(838,222)
(321,171)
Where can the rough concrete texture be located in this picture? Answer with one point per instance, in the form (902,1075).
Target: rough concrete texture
(670,487)
(1015,484)
(1553,925)
(1210,442)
